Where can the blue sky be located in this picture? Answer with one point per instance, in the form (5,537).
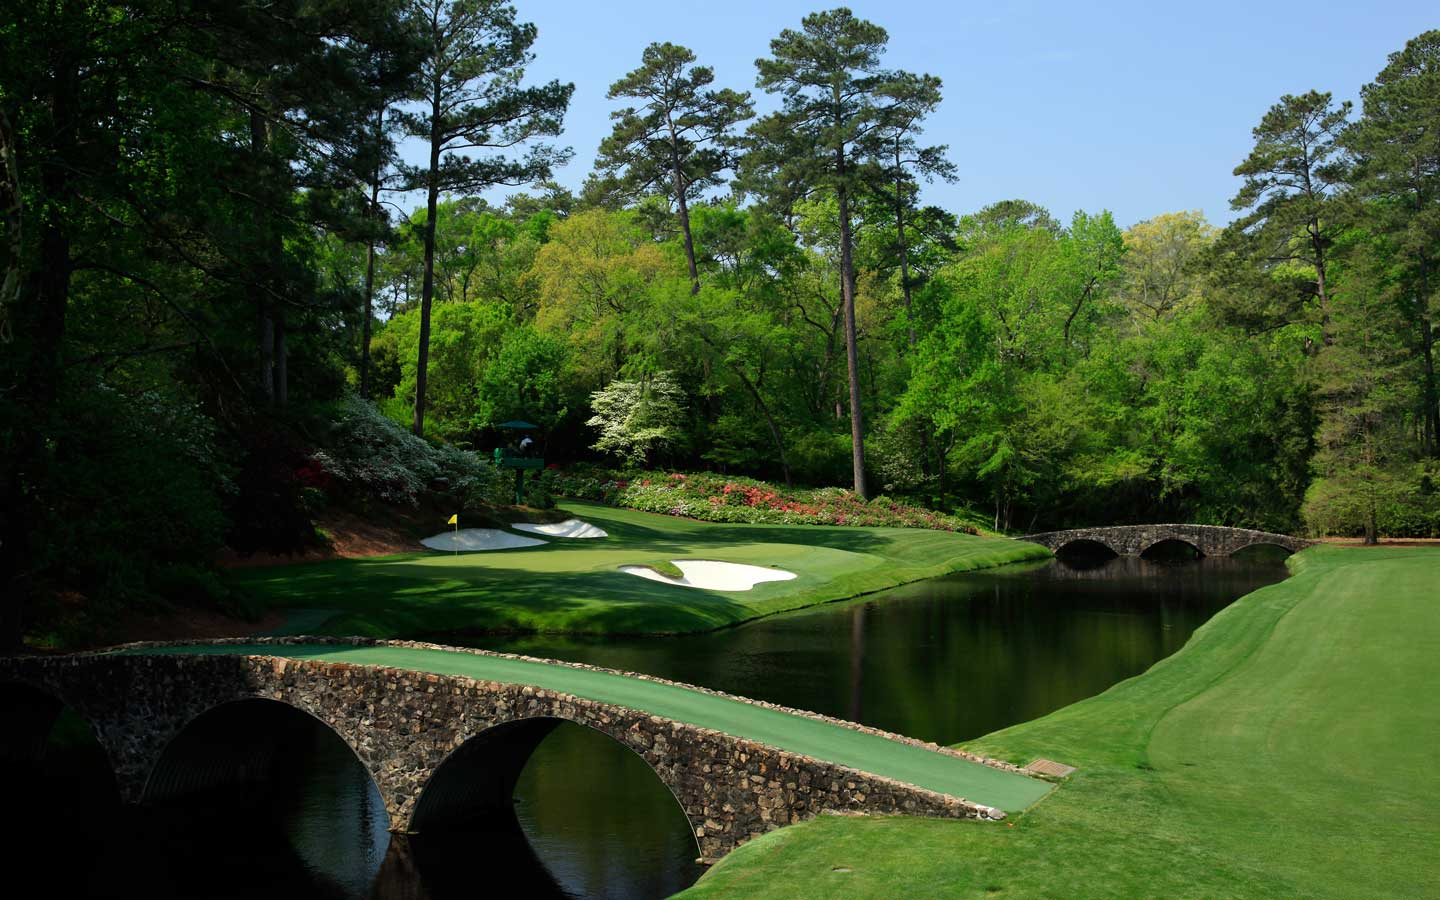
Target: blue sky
(1139,108)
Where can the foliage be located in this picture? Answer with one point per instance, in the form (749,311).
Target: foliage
(679,142)
(1160,265)
(370,453)
(191,208)
(637,419)
(115,534)
(468,100)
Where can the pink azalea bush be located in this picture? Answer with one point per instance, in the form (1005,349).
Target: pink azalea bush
(725,498)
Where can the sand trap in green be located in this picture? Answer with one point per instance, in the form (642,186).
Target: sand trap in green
(573,529)
(577,586)
(797,734)
(708,574)
(472,540)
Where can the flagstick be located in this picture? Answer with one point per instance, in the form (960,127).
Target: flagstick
(457,537)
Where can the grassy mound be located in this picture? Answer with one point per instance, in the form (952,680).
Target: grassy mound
(576,586)
(1286,751)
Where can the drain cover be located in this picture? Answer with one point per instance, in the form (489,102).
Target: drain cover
(1049,767)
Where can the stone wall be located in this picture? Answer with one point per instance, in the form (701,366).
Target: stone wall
(404,725)
(1133,540)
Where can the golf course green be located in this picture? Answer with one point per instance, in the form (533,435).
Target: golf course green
(799,734)
(577,586)
(1288,750)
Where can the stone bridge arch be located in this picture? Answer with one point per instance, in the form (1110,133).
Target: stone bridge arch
(1134,540)
(235,742)
(478,779)
(403,725)
(29,710)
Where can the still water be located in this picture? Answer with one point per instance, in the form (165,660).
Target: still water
(944,660)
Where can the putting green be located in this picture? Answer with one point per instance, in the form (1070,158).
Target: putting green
(1288,750)
(797,734)
(577,585)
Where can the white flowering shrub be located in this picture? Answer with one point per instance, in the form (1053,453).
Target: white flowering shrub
(371,452)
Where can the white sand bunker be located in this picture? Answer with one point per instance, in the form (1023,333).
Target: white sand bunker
(570,528)
(712,575)
(471,539)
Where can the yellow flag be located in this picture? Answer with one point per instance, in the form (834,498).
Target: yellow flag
(454,520)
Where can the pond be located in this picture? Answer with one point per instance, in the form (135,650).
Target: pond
(945,660)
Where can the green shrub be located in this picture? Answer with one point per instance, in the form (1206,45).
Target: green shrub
(134,487)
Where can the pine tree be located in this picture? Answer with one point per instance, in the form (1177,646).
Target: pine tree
(1290,179)
(911,98)
(825,136)
(472,100)
(680,141)
(1397,141)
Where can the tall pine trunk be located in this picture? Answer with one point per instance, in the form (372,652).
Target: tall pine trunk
(259,138)
(282,361)
(852,355)
(684,209)
(904,248)
(427,290)
(369,311)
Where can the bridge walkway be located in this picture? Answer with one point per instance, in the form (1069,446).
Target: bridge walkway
(817,738)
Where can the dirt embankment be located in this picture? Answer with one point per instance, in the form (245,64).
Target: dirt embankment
(349,536)
(384,530)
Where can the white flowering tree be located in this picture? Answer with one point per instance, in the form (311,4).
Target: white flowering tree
(637,418)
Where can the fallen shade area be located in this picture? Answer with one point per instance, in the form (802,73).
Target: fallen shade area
(1286,751)
(577,586)
(816,738)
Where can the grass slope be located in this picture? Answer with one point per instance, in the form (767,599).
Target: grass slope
(798,734)
(575,586)
(1287,751)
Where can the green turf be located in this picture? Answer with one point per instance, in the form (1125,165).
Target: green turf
(575,585)
(1289,750)
(798,734)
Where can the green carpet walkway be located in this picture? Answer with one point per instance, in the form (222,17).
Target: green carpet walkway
(797,734)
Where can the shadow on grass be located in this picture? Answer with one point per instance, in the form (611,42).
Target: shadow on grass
(517,599)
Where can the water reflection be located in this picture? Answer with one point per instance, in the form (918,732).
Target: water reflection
(591,820)
(944,660)
(951,658)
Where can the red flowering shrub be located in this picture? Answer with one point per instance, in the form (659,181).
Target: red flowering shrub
(715,498)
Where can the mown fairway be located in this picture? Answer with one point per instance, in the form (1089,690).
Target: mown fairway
(576,585)
(1287,751)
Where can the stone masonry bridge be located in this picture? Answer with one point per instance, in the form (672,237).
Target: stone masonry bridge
(445,732)
(1134,540)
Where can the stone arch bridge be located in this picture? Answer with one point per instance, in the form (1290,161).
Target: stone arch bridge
(1134,540)
(445,732)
